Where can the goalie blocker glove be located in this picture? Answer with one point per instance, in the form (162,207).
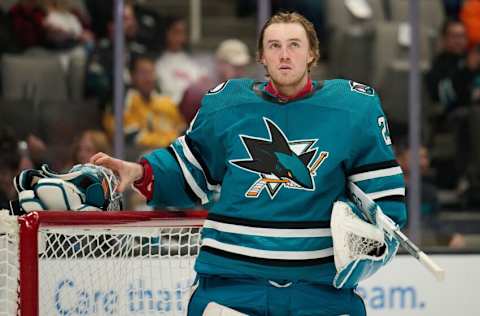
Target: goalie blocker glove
(84,188)
(360,248)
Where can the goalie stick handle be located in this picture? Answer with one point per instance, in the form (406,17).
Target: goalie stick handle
(366,204)
(437,271)
(388,225)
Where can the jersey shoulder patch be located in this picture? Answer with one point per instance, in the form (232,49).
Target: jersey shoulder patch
(218,88)
(230,93)
(361,88)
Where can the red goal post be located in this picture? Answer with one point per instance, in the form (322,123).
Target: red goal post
(106,263)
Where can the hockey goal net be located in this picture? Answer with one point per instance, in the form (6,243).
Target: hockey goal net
(97,263)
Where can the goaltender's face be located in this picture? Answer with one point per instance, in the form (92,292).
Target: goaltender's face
(286,54)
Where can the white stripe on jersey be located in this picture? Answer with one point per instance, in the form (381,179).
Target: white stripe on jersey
(268,232)
(375,174)
(191,158)
(268,254)
(380,194)
(190,180)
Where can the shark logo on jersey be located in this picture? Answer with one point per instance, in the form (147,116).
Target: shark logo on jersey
(279,162)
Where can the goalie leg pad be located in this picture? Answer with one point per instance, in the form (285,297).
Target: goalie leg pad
(359,248)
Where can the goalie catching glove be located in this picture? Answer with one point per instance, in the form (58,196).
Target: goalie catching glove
(85,187)
(359,248)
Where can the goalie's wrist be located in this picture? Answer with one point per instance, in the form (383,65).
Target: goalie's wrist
(138,171)
(144,184)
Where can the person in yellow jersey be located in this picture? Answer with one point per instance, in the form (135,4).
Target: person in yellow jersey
(150,119)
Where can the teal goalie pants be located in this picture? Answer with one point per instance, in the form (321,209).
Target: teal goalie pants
(269,298)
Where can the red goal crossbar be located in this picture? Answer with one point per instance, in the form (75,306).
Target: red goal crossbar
(32,222)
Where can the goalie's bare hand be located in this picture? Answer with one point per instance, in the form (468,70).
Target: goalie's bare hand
(128,172)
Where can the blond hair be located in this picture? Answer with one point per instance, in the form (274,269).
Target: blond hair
(98,138)
(292,17)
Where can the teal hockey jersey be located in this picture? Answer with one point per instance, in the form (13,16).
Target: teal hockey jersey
(279,167)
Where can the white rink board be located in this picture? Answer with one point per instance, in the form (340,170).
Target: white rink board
(406,288)
(114,287)
(403,288)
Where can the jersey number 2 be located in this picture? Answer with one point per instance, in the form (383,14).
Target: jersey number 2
(382,123)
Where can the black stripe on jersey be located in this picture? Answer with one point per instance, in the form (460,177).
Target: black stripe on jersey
(373,167)
(188,190)
(391,198)
(268,262)
(197,156)
(267,224)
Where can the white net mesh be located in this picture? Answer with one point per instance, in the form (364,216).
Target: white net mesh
(116,270)
(9,264)
(359,245)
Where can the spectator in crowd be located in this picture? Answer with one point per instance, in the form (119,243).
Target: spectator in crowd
(65,27)
(150,119)
(151,28)
(67,34)
(36,149)
(430,205)
(458,241)
(470,16)
(13,158)
(54,24)
(175,69)
(100,69)
(232,57)
(452,81)
(27,19)
(433,232)
(88,143)
(149,22)
(451,73)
